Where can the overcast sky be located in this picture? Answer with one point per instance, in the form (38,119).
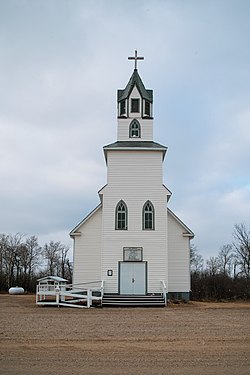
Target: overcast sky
(61,63)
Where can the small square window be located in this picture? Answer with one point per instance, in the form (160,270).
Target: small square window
(135,105)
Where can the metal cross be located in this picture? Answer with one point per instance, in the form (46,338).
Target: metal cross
(135,58)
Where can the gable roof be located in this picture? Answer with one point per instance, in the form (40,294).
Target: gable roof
(74,231)
(169,193)
(188,232)
(54,278)
(135,80)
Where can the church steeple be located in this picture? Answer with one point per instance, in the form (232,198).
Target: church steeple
(135,108)
(140,105)
(135,120)
(135,100)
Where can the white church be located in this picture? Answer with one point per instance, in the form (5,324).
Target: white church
(132,241)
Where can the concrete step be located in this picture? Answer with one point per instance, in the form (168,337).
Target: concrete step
(133,300)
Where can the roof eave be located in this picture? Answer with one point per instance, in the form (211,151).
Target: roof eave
(106,149)
(74,232)
(188,232)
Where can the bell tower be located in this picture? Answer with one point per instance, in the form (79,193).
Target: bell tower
(135,108)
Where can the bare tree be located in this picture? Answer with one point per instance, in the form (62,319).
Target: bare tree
(4,261)
(213,266)
(51,254)
(12,248)
(196,260)
(241,245)
(20,259)
(225,259)
(69,271)
(57,260)
(63,260)
(30,254)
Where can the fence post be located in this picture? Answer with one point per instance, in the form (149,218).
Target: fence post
(57,290)
(89,299)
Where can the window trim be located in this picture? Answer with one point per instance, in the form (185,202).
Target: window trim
(137,101)
(123,107)
(120,211)
(152,212)
(147,106)
(134,122)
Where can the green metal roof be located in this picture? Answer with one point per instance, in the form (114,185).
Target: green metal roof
(135,80)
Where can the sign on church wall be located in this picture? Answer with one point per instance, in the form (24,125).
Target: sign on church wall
(132,254)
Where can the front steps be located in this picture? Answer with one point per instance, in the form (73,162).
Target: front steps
(116,300)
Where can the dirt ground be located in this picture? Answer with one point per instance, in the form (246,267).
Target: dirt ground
(193,338)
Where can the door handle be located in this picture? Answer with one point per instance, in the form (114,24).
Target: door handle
(133,280)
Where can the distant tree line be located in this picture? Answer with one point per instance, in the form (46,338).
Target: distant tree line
(23,261)
(227,275)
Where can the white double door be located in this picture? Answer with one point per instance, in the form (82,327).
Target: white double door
(133,278)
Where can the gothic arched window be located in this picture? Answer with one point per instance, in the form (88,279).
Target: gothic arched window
(134,129)
(121,216)
(148,216)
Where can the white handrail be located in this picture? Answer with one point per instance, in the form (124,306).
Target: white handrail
(102,288)
(60,292)
(164,291)
(80,285)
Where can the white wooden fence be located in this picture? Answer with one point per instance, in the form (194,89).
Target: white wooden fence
(73,295)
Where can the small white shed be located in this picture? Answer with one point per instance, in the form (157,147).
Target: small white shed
(48,286)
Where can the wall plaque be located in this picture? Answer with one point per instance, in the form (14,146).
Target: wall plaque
(132,254)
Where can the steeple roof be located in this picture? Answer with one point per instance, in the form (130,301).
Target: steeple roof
(135,80)
(135,145)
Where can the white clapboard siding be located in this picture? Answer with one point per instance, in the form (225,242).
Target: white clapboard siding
(132,167)
(135,177)
(87,250)
(178,257)
(146,130)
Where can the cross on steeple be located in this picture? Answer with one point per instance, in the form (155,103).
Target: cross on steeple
(135,58)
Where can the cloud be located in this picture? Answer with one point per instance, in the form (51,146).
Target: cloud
(238,202)
(60,66)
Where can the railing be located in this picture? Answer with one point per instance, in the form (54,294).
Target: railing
(94,285)
(164,291)
(70,294)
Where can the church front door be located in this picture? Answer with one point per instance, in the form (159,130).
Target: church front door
(132,278)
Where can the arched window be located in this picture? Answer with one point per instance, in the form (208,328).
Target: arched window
(134,129)
(148,219)
(121,216)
